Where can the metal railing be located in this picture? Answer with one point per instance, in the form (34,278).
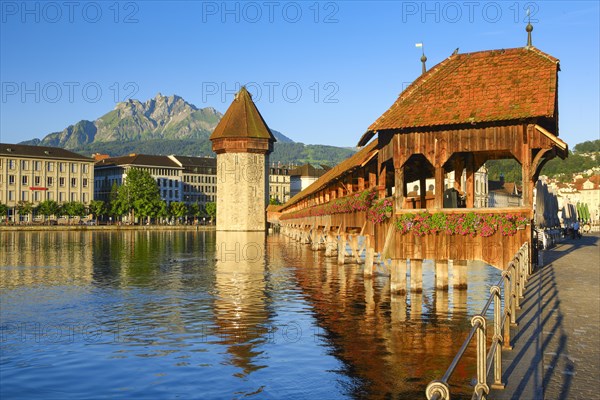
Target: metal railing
(513,281)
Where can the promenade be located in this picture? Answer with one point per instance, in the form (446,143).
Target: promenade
(556,346)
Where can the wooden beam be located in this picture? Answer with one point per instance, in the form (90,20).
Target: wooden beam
(470,189)
(439,187)
(422,191)
(399,187)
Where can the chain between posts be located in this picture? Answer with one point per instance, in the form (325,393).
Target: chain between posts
(513,282)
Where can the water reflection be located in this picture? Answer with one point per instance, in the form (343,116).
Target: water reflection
(161,314)
(240,309)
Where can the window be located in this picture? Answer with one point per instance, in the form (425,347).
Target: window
(11,179)
(24,165)
(37,181)
(24,180)
(36,196)
(73,196)
(50,166)
(62,166)
(61,181)
(50,181)
(73,182)
(73,168)
(49,196)
(11,195)
(84,197)
(24,195)
(85,168)
(61,197)
(11,164)
(37,165)
(84,182)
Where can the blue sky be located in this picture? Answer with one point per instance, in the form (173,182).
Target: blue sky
(324,70)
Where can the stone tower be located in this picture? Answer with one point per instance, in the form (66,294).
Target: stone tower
(243,142)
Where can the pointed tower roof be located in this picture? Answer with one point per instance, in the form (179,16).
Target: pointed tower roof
(242,120)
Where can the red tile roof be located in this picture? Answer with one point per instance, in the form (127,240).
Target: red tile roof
(486,86)
(345,167)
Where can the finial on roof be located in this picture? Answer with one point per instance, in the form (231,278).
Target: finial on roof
(423,57)
(529,28)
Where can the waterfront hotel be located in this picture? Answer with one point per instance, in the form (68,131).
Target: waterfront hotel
(35,173)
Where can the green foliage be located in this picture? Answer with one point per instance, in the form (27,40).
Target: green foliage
(139,194)
(298,153)
(97,208)
(48,208)
(565,169)
(24,207)
(73,209)
(510,168)
(591,146)
(274,201)
(178,209)
(211,210)
(197,210)
(3,211)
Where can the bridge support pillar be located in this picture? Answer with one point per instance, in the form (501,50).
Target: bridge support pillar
(441,274)
(316,239)
(369,257)
(398,276)
(306,235)
(329,244)
(459,274)
(341,248)
(416,275)
(354,247)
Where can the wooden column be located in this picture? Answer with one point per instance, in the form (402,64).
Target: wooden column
(470,189)
(416,275)
(361,183)
(422,191)
(398,276)
(441,274)
(382,179)
(439,187)
(459,165)
(342,248)
(372,180)
(459,274)
(399,187)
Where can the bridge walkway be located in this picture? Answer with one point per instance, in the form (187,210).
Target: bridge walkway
(556,347)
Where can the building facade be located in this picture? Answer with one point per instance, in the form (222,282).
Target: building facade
(303,176)
(199,178)
(279,182)
(34,174)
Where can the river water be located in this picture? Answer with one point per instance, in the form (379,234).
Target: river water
(205,315)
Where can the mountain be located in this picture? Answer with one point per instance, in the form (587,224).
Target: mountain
(169,125)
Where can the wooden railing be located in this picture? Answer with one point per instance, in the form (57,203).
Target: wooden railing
(513,281)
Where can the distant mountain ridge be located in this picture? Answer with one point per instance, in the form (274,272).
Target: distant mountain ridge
(163,117)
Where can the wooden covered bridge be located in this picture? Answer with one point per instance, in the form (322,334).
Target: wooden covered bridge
(468,109)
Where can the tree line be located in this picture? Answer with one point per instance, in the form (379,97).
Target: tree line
(138,198)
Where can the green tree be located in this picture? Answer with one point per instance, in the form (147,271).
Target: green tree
(211,210)
(178,209)
(274,201)
(24,207)
(73,209)
(97,208)
(163,210)
(3,211)
(48,208)
(140,195)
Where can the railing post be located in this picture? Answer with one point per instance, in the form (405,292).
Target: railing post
(507,308)
(437,390)
(517,282)
(495,291)
(514,299)
(478,321)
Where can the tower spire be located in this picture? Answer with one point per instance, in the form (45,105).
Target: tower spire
(423,57)
(529,28)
